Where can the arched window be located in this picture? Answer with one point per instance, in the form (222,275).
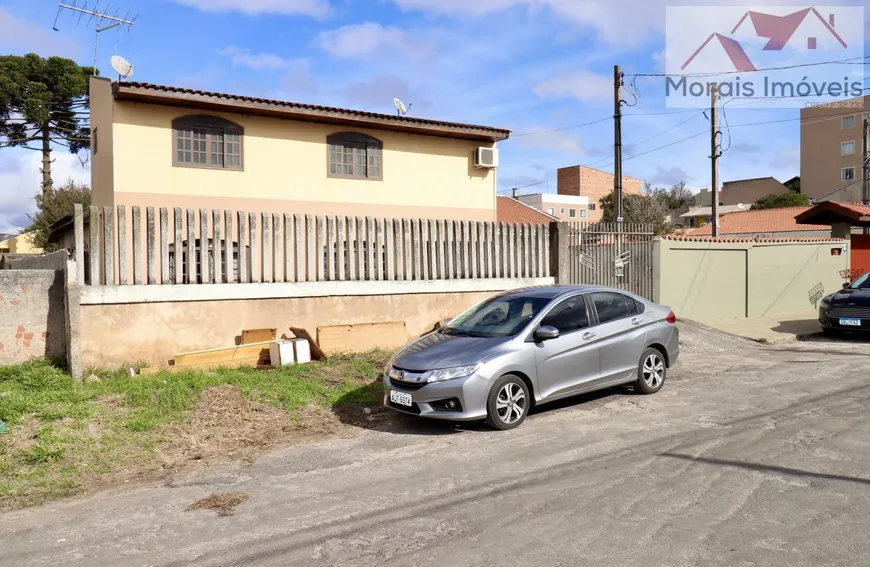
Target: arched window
(207,141)
(354,156)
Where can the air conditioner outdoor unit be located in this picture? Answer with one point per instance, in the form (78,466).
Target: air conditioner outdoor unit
(486,158)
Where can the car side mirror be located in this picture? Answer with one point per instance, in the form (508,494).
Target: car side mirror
(546,333)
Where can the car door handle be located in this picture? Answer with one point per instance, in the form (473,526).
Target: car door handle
(637,321)
(587,336)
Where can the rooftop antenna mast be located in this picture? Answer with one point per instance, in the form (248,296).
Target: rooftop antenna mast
(101,19)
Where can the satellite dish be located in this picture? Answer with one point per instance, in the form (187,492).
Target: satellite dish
(121,66)
(400,106)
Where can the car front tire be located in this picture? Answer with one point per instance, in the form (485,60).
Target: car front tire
(651,372)
(508,403)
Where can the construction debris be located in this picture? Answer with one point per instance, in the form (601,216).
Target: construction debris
(363,337)
(252,336)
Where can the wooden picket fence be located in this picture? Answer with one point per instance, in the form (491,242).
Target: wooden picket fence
(190,246)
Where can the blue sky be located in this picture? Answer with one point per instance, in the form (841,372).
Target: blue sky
(537,67)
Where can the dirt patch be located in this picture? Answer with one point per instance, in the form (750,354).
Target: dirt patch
(22,437)
(225,425)
(223,503)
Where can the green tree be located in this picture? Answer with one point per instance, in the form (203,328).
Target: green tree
(53,206)
(640,209)
(43,102)
(794,184)
(781,200)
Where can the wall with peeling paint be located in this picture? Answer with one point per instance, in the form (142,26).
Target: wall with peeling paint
(32,320)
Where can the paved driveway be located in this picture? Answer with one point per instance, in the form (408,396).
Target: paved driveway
(751,455)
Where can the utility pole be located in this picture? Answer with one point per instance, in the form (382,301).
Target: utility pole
(714,155)
(617,142)
(865,158)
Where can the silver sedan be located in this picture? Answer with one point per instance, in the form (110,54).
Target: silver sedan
(532,346)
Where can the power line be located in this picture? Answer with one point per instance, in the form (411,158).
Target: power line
(782,68)
(533,132)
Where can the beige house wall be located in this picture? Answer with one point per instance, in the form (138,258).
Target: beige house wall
(119,334)
(285,170)
(822,133)
(710,281)
(748,191)
(20,244)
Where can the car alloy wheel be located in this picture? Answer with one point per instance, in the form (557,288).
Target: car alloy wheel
(510,404)
(653,371)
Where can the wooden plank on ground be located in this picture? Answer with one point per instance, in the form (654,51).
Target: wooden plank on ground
(226,355)
(300,333)
(251,336)
(363,337)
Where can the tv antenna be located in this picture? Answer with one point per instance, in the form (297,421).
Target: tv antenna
(401,108)
(102,20)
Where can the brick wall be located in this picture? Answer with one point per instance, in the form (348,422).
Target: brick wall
(580,180)
(33,320)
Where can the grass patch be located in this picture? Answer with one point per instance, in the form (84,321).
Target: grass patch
(67,437)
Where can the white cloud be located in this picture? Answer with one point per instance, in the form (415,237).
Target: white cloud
(314,8)
(296,79)
(559,140)
(787,158)
(22,35)
(377,94)
(358,41)
(241,57)
(582,85)
(20,180)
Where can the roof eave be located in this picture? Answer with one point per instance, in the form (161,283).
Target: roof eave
(207,102)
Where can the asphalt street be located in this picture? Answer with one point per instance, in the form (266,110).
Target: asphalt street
(750,455)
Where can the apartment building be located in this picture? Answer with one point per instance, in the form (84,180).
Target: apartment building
(750,190)
(563,207)
(583,181)
(831,149)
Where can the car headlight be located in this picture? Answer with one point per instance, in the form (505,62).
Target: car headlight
(451,373)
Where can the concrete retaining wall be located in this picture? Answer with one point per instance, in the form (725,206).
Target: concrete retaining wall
(32,317)
(54,261)
(123,327)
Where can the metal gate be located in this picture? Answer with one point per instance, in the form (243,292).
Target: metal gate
(602,254)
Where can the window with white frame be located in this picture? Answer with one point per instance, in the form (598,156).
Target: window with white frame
(692,222)
(848,174)
(551,211)
(583,213)
(848,122)
(847,149)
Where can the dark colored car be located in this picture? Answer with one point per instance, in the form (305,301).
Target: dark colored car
(848,309)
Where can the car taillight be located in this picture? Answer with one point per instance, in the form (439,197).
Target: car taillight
(671,318)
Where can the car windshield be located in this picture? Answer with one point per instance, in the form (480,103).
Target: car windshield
(498,317)
(861,283)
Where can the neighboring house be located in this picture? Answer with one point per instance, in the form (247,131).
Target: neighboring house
(563,207)
(513,211)
(765,223)
(164,146)
(831,150)
(18,244)
(582,181)
(750,190)
(697,217)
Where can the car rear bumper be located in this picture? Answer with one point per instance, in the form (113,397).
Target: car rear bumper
(470,393)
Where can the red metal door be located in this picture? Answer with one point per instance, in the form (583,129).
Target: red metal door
(860,255)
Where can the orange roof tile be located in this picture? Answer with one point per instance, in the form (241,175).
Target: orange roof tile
(512,211)
(690,238)
(830,212)
(763,221)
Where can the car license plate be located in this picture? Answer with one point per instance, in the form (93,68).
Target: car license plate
(850,322)
(400,398)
